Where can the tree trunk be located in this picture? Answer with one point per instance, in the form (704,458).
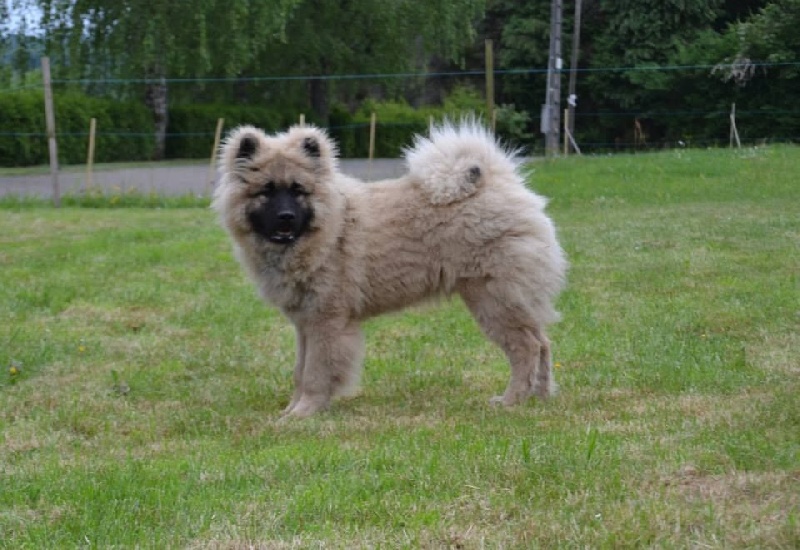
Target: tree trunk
(318,94)
(156,100)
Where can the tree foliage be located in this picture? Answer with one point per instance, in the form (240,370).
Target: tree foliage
(771,34)
(327,37)
(630,50)
(175,38)
(155,39)
(628,47)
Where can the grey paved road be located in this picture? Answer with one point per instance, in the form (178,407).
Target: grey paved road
(166,180)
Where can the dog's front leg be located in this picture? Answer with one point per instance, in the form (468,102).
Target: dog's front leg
(333,353)
(299,365)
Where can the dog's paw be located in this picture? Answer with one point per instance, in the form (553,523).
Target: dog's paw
(305,407)
(502,401)
(546,391)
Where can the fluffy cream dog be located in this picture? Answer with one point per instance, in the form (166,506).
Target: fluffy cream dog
(330,251)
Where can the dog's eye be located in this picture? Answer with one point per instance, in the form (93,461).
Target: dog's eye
(296,189)
(267,191)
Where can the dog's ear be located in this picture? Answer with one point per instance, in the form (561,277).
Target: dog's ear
(239,148)
(314,146)
(311,146)
(248,145)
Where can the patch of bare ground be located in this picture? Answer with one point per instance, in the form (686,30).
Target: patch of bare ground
(625,411)
(751,509)
(244,544)
(777,352)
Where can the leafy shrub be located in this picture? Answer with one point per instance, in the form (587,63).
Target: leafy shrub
(191,127)
(125,130)
(464,100)
(343,130)
(397,123)
(127,135)
(23,137)
(22,129)
(511,125)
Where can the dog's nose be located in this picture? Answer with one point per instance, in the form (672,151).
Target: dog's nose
(286,216)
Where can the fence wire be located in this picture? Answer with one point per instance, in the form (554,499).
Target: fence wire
(598,128)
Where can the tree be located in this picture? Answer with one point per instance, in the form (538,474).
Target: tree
(638,35)
(635,42)
(639,39)
(771,34)
(330,37)
(760,59)
(9,42)
(159,39)
(521,31)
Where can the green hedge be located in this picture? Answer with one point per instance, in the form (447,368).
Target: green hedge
(397,122)
(191,127)
(124,130)
(22,129)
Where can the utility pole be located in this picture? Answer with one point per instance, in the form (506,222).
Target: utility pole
(551,114)
(572,99)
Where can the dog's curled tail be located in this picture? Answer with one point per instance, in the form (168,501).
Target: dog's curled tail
(457,159)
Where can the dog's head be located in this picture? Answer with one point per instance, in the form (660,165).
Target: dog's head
(272,185)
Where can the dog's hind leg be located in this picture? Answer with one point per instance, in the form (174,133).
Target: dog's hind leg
(333,355)
(544,384)
(512,326)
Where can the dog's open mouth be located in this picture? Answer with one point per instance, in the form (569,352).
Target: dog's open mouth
(283,234)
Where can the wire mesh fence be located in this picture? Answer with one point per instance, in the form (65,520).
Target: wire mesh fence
(404,104)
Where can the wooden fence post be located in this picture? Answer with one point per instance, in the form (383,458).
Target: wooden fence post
(490,116)
(50,119)
(639,137)
(372,123)
(734,130)
(90,153)
(214,152)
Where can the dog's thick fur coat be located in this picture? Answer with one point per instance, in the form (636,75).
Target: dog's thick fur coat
(461,221)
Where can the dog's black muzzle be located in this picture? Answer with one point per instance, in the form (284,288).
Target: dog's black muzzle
(281,218)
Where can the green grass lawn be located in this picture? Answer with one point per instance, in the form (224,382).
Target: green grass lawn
(142,381)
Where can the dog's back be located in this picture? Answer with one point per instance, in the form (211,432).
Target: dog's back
(462,212)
